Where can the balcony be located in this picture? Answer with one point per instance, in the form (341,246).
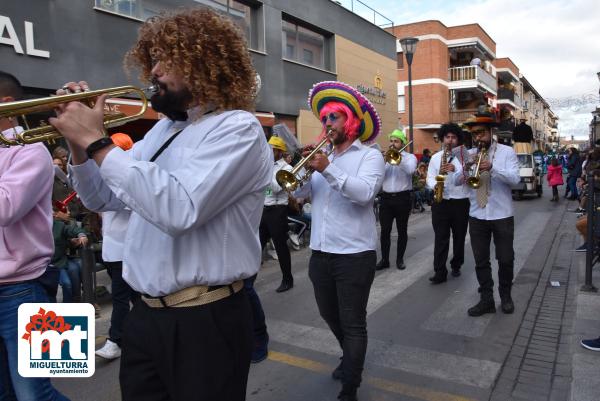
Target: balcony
(507,96)
(471,76)
(460,116)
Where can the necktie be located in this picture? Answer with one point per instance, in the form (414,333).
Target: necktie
(484,189)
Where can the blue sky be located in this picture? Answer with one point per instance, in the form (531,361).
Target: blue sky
(555,43)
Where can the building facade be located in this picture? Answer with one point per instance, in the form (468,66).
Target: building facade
(293,45)
(455,70)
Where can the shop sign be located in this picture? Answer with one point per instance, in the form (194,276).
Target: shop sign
(8,36)
(374,93)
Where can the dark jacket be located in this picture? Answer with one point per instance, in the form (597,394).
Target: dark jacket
(574,165)
(63,233)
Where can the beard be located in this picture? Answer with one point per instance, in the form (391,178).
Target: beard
(172,104)
(338,138)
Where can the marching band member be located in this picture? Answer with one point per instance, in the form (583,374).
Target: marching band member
(395,201)
(491,214)
(449,212)
(343,234)
(274,223)
(195,186)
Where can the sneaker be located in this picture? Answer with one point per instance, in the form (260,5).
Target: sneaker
(272,253)
(582,248)
(294,239)
(109,351)
(593,345)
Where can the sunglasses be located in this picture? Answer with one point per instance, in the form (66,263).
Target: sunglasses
(331,117)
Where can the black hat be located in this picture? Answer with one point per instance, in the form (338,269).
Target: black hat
(484,116)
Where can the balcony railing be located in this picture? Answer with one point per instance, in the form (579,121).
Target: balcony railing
(460,116)
(370,14)
(470,76)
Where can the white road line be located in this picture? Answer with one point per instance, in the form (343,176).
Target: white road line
(452,316)
(453,368)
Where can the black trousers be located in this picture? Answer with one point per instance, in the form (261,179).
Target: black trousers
(481,232)
(342,284)
(394,206)
(199,353)
(449,216)
(273,224)
(122,295)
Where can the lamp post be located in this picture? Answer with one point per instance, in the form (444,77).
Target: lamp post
(409,46)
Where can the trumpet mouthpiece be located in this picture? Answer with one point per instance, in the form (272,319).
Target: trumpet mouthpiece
(152,89)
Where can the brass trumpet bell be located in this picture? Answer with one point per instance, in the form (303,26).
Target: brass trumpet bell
(42,133)
(393,157)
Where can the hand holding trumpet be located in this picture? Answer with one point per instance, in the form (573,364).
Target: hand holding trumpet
(80,124)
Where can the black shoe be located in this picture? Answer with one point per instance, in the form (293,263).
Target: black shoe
(338,373)
(422,209)
(507,305)
(285,285)
(348,393)
(382,264)
(482,307)
(438,279)
(456,272)
(400,265)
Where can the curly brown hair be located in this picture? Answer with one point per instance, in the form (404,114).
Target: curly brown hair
(205,48)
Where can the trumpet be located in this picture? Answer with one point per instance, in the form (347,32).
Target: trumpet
(289,180)
(46,132)
(393,156)
(474,180)
(438,189)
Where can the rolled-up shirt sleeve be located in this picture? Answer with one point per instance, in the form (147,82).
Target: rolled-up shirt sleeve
(183,199)
(363,187)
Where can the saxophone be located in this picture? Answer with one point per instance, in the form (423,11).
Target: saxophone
(438,189)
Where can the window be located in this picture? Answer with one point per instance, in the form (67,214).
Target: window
(401,105)
(303,45)
(247,15)
(128,8)
(400,60)
(525,161)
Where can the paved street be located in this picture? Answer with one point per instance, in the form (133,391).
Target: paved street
(422,344)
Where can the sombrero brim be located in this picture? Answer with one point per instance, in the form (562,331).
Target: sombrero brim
(490,122)
(335,91)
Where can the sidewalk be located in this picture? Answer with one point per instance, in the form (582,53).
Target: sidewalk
(546,361)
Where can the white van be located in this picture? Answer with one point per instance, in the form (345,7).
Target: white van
(531,179)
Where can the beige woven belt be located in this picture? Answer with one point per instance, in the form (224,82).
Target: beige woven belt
(193,296)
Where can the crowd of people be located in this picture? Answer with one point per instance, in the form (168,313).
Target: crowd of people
(187,210)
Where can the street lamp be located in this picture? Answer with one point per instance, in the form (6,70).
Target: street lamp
(409,46)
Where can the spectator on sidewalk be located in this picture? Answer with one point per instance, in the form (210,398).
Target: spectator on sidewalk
(555,178)
(26,176)
(574,170)
(65,232)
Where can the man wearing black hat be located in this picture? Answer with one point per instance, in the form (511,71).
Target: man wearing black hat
(491,214)
(450,214)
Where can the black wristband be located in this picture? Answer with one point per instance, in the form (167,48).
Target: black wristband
(97,145)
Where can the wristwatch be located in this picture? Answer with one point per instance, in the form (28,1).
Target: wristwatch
(97,145)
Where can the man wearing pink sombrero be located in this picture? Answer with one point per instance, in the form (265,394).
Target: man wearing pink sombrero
(343,234)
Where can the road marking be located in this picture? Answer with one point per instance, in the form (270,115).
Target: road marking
(451,317)
(381,384)
(448,367)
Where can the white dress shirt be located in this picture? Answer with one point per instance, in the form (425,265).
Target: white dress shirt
(398,178)
(343,220)
(274,194)
(195,211)
(451,191)
(504,174)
